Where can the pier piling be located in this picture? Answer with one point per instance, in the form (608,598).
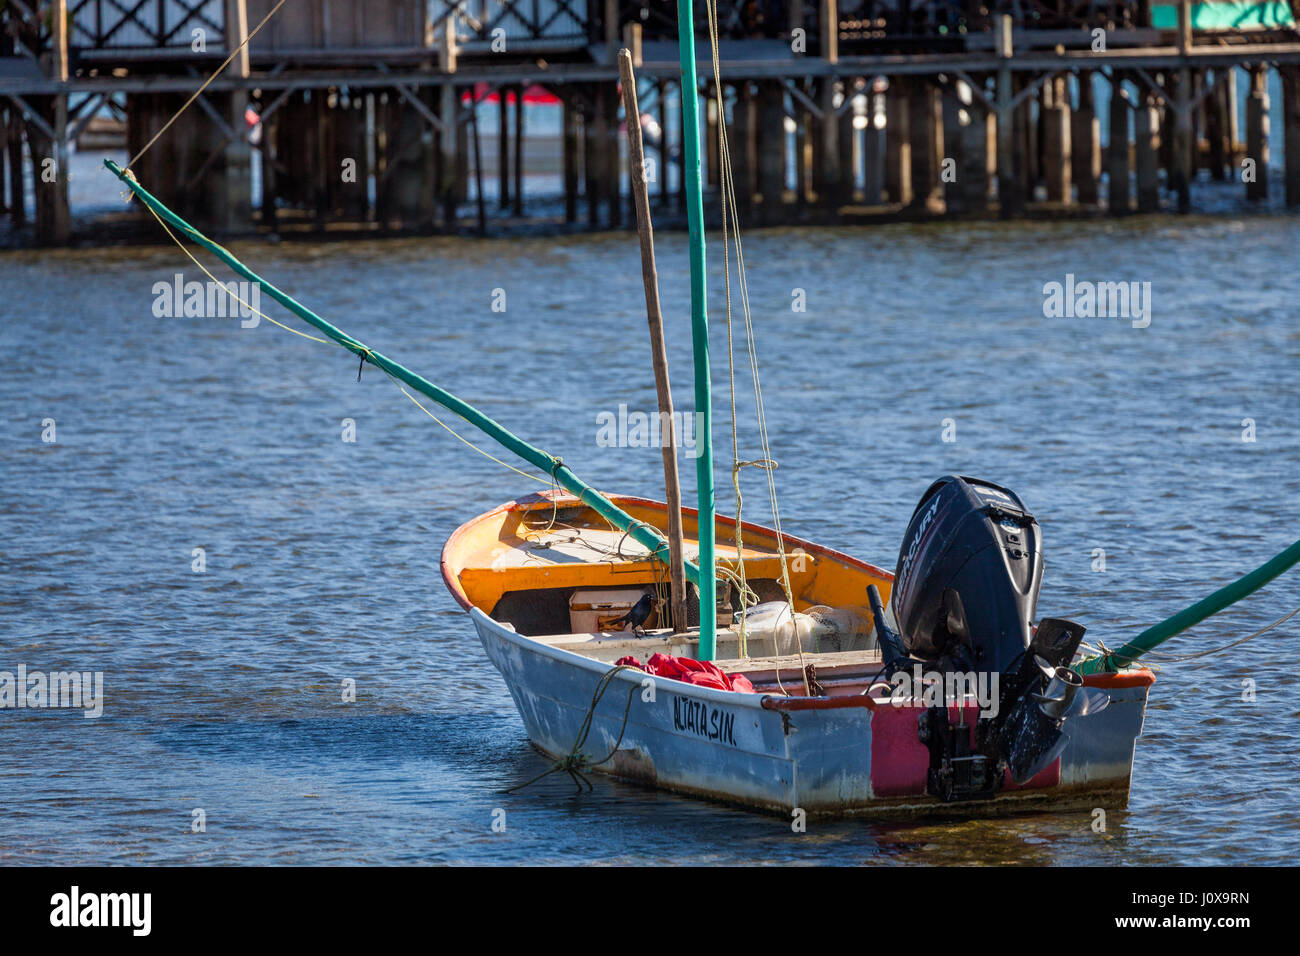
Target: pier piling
(1146,151)
(1291,131)
(771,157)
(1085,142)
(1257,131)
(873,148)
(1118,186)
(898,143)
(1057,151)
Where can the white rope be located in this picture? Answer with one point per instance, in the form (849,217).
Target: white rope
(731,225)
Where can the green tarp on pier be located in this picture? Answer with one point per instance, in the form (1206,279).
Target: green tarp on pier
(1228,15)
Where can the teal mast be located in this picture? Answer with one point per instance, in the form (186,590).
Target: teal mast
(699,329)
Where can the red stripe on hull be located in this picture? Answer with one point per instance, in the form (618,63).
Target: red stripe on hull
(899,761)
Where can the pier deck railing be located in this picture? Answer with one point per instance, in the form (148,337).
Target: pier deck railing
(131,30)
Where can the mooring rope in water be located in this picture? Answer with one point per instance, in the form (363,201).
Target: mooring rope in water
(1227,595)
(1104,652)
(575,763)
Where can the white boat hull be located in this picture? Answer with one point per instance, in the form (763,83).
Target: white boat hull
(782,754)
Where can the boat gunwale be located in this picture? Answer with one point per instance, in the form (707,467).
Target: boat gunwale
(458,592)
(1141,677)
(729,697)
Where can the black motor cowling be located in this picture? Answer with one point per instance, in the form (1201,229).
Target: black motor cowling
(969,570)
(964,598)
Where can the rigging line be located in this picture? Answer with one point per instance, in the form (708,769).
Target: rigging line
(724,173)
(727,182)
(199,92)
(457,434)
(1178,659)
(555,506)
(226,288)
(731,371)
(730,223)
(769,464)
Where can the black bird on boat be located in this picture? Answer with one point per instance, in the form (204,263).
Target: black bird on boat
(638,615)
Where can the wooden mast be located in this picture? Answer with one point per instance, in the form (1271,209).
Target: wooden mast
(654,316)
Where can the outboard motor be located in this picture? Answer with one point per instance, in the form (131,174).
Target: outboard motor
(964,598)
(968,575)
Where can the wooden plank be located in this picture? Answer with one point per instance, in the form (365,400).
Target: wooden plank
(837,663)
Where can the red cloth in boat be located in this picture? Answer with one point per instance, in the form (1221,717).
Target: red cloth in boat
(701,673)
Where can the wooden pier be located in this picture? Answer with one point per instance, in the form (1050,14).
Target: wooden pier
(367,115)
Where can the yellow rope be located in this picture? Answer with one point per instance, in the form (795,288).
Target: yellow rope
(226,287)
(463,438)
(199,92)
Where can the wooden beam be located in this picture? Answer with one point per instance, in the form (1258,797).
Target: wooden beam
(830,30)
(420,106)
(558,73)
(59,41)
(236,22)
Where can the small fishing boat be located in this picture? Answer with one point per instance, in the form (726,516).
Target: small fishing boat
(724,659)
(526,570)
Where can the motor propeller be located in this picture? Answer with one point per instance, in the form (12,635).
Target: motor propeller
(1065,696)
(1034,734)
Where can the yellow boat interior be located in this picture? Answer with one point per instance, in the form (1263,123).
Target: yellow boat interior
(553,569)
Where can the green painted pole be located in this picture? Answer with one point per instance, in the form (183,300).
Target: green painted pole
(566,479)
(699,330)
(1198,612)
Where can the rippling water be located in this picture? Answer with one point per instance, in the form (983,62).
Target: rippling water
(223,688)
